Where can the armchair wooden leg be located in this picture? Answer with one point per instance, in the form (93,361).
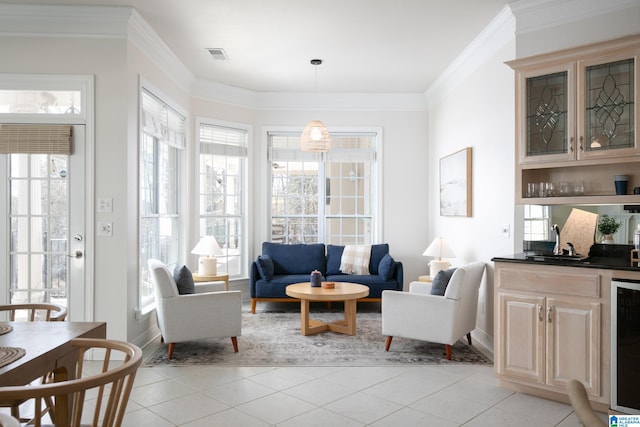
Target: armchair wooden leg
(447,349)
(234,341)
(469,338)
(387,344)
(172,346)
(253,306)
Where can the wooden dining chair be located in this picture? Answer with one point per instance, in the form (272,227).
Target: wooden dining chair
(96,399)
(35,311)
(31,312)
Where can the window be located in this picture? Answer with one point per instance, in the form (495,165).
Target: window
(536,222)
(323,197)
(221,183)
(161,143)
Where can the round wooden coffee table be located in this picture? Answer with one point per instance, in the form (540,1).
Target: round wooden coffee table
(347,292)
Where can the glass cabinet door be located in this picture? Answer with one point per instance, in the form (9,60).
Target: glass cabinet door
(547,114)
(548,103)
(609,109)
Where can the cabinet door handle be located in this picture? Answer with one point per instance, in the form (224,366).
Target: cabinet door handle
(539,312)
(571,144)
(549,314)
(581,143)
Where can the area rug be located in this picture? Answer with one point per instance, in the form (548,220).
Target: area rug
(273,338)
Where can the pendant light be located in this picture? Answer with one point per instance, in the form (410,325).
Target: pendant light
(315,136)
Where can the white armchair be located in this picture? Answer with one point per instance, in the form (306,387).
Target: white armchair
(443,319)
(193,316)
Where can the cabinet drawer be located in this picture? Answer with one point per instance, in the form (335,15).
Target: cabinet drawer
(541,280)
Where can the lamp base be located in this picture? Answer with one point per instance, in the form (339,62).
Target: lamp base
(207,266)
(435,266)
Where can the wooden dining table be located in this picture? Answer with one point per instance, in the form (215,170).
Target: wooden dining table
(47,348)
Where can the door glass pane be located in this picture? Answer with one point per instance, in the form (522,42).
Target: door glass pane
(39,218)
(547,114)
(610,106)
(40,101)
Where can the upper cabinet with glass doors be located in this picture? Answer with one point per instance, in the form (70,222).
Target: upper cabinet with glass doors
(576,117)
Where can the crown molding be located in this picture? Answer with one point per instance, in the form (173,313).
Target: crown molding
(213,91)
(499,32)
(144,37)
(536,15)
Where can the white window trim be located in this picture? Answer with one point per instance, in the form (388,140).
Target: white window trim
(262,229)
(194,182)
(143,310)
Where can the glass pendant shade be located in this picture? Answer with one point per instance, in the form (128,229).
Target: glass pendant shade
(315,137)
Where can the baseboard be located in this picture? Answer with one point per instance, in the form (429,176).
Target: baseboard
(483,342)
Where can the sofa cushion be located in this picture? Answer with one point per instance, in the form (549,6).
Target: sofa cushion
(377,253)
(386,267)
(295,259)
(265,267)
(275,288)
(334,256)
(374,282)
(440,282)
(184,280)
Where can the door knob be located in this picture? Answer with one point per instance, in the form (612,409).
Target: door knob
(77,254)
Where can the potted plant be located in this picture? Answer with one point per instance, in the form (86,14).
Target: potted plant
(607,226)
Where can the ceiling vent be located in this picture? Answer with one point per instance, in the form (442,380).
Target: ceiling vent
(218,54)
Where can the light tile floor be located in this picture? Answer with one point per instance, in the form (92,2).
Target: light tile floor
(444,396)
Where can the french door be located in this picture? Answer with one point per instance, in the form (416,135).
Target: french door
(44,223)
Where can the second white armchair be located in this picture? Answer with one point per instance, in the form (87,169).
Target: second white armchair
(442,319)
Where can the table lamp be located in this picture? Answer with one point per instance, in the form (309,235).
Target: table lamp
(439,248)
(207,248)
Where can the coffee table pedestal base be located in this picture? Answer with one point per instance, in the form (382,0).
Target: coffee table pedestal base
(346,326)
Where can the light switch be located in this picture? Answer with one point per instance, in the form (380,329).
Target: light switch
(105,204)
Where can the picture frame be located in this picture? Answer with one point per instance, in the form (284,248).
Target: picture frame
(455,184)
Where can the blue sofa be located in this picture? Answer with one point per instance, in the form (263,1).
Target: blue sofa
(280,265)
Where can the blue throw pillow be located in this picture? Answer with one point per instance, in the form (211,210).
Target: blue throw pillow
(265,267)
(184,280)
(440,282)
(387,267)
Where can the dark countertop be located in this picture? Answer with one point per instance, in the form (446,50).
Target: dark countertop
(609,257)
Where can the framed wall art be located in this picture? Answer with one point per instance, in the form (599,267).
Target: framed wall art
(455,184)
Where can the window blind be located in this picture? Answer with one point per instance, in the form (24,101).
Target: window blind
(344,148)
(35,139)
(220,140)
(162,121)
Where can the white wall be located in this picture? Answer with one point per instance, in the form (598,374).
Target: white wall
(478,113)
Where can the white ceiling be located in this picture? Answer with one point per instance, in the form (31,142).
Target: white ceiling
(368,46)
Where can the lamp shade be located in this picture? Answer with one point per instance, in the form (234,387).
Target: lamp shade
(439,248)
(315,137)
(207,248)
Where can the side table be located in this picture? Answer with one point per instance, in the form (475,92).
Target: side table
(426,278)
(206,280)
